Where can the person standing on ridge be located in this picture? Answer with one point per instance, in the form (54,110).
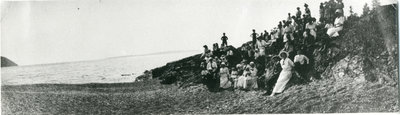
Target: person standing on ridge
(298,13)
(339,6)
(224,40)
(206,52)
(254,35)
(307,10)
(330,8)
(266,35)
(321,12)
(289,17)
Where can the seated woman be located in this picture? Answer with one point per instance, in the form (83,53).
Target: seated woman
(285,75)
(251,81)
(338,25)
(224,77)
(241,83)
(234,77)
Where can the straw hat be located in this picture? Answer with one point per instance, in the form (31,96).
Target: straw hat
(287,54)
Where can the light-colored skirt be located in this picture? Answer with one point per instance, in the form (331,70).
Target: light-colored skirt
(333,32)
(224,81)
(241,82)
(251,83)
(283,79)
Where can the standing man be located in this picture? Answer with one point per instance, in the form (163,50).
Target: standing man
(266,35)
(254,35)
(298,13)
(224,40)
(307,10)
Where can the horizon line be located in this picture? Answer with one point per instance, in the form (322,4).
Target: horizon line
(113,57)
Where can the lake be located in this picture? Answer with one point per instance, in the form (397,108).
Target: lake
(110,70)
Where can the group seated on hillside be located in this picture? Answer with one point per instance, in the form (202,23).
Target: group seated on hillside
(266,62)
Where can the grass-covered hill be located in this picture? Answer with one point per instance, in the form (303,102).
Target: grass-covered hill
(357,72)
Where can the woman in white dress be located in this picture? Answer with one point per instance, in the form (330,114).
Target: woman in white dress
(338,25)
(234,77)
(224,77)
(285,75)
(251,81)
(261,44)
(241,84)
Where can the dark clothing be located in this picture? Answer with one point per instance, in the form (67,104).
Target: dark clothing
(224,41)
(254,36)
(308,11)
(298,14)
(273,75)
(302,70)
(339,5)
(211,83)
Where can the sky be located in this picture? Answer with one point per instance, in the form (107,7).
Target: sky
(39,32)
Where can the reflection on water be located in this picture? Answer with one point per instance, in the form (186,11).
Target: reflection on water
(113,70)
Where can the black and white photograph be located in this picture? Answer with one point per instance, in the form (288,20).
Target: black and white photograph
(112,57)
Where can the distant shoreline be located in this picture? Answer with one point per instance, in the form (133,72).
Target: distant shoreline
(157,53)
(115,57)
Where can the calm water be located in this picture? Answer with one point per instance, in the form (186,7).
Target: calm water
(99,71)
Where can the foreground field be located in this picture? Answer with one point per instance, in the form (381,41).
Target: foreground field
(151,97)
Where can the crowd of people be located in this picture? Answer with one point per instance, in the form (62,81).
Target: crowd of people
(267,60)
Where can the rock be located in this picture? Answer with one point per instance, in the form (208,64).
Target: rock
(351,66)
(5,62)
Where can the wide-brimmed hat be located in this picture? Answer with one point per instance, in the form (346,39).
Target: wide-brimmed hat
(287,54)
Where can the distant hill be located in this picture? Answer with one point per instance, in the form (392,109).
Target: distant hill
(5,62)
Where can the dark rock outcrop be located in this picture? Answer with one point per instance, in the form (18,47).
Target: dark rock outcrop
(5,62)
